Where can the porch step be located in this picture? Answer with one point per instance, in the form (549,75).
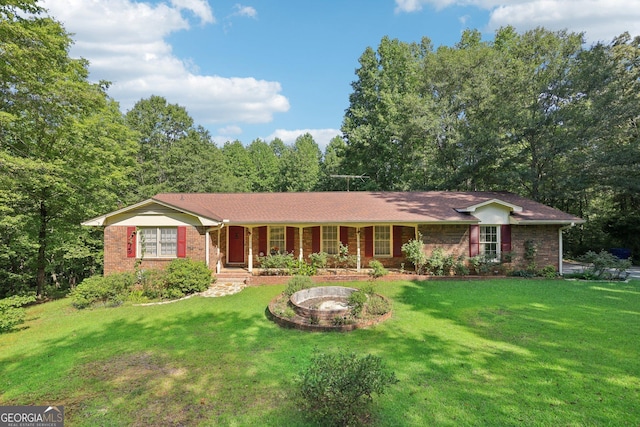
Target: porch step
(233,277)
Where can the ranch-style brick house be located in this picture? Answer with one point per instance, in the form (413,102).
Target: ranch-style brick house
(227,230)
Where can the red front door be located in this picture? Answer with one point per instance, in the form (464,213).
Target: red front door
(236,244)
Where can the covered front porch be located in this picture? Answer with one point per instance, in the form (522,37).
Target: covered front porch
(242,245)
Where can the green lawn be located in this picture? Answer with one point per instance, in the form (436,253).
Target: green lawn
(495,352)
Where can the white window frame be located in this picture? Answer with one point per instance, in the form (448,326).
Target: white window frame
(330,246)
(281,244)
(158,242)
(483,241)
(377,240)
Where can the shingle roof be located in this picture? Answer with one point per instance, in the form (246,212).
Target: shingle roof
(354,207)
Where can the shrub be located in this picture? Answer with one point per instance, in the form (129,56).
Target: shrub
(549,272)
(605,265)
(342,258)
(153,283)
(337,389)
(11,312)
(301,268)
(460,267)
(185,276)
(439,263)
(377,269)
(109,290)
(319,259)
(357,300)
(377,306)
(277,264)
(297,283)
(414,253)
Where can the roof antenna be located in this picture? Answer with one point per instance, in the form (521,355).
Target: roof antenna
(350,177)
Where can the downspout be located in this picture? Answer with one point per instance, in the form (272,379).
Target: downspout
(560,247)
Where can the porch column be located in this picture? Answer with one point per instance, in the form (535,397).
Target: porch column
(301,251)
(207,249)
(358,260)
(250,263)
(415,232)
(218,260)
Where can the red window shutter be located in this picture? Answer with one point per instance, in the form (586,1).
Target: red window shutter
(344,235)
(290,242)
(505,238)
(474,240)
(315,239)
(397,241)
(368,241)
(131,242)
(262,240)
(182,242)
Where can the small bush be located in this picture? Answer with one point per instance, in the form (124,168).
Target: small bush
(357,300)
(605,265)
(337,389)
(301,268)
(297,283)
(440,263)
(549,272)
(414,253)
(377,306)
(319,259)
(11,312)
(460,267)
(277,264)
(377,269)
(110,290)
(186,276)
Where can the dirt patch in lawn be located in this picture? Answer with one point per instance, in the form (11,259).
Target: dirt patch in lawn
(144,389)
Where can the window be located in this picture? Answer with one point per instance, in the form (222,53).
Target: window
(382,240)
(276,240)
(158,242)
(330,239)
(489,239)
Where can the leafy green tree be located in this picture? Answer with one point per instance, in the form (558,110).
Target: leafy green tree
(300,165)
(266,164)
(160,126)
(241,165)
(64,153)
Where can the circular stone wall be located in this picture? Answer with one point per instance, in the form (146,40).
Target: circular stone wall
(323,303)
(320,309)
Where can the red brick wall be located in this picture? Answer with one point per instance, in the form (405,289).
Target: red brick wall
(546,241)
(115,250)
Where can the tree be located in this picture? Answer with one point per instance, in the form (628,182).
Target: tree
(160,125)
(300,165)
(241,165)
(64,153)
(266,164)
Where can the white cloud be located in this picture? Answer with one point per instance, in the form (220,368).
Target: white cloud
(247,11)
(199,7)
(601,20)
(322,137)
(125,43)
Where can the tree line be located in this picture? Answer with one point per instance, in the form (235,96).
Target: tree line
(536,113)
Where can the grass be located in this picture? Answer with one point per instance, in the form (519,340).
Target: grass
(500,353)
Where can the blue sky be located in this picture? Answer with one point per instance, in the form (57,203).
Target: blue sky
(280,68)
